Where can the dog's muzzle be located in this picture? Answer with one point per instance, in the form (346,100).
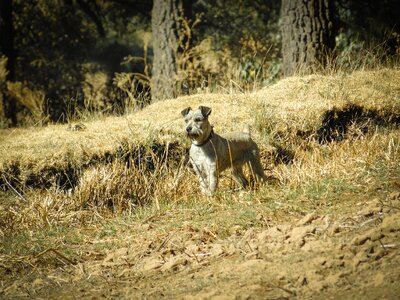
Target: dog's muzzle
(192,132)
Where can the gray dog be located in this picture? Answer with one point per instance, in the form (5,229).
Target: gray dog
(210,153)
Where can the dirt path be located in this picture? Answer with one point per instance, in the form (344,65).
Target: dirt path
(354,255)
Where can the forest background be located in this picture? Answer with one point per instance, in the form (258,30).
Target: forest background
(64,60)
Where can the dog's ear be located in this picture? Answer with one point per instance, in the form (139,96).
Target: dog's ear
(186,111)
(205,111)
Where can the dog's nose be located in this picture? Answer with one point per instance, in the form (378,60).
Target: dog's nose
(189,129)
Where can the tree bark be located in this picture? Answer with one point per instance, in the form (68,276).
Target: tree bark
(7,48)
(166,20)
(307,35)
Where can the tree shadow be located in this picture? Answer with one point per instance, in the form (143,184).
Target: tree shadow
(341,123)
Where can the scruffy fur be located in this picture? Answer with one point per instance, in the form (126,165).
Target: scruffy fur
(210,153)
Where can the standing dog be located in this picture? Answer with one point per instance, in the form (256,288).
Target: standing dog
(210,153)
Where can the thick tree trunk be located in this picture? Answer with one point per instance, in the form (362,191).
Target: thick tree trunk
(307,35)
(166,19)
(7,48)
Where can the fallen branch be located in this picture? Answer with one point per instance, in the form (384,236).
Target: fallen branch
(57,253)
(14,190)
(283,289)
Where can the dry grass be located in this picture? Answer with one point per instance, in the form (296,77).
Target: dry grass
(159,122)
(71,195)
(3,75)
(94,90)
(292,101)
(116,165)
(33,100)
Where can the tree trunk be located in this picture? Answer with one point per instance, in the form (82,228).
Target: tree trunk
(307,35)
(166,22)
(7,48)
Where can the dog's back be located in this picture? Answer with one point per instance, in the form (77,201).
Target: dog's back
(241,149)
(235,149)
(243,136)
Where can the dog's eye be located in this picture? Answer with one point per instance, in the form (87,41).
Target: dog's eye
(198,119)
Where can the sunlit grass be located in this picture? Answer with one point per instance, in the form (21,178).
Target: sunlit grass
(93,189)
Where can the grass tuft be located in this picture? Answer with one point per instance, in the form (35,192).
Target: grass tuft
(325,140)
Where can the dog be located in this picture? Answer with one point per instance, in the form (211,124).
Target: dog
(210,153)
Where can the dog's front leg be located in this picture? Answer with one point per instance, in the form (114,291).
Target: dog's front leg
(212,179)
(204,184)
(208,180)
(202,172)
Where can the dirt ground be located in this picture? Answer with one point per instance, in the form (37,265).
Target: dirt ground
(353,254)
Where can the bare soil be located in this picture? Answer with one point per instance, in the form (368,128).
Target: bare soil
(350,254)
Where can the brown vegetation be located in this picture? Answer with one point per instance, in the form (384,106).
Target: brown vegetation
(113,198)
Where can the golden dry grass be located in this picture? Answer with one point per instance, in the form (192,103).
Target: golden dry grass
(290,101)
(329,144)
(80,175)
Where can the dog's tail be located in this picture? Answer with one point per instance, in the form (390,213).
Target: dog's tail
(246,129)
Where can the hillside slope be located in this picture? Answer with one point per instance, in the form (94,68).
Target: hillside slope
(108,208)
(297,102)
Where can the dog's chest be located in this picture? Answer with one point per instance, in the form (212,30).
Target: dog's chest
(203,157)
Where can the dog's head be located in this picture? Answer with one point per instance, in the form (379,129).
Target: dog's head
(198,127)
